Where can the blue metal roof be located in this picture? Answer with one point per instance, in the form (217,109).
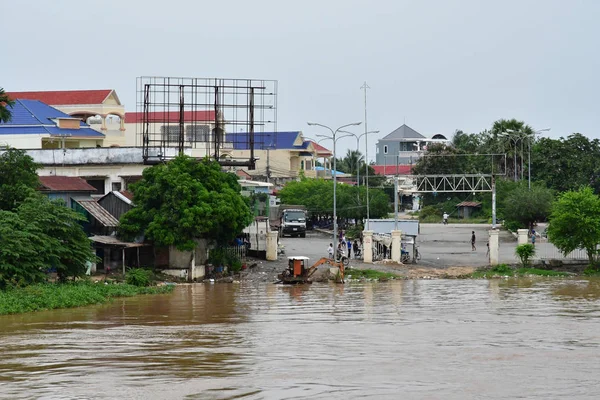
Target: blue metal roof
(35,117)
(266,140)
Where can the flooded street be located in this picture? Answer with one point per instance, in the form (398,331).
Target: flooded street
(420,339)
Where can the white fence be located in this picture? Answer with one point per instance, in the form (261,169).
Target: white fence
(547,251)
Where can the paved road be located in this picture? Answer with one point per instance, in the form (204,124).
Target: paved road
(440,245)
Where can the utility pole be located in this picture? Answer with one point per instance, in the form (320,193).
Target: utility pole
(365,87)
(396,202)
(268,171)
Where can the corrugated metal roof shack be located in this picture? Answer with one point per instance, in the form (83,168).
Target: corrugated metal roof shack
(117,254)
(467,208)
(117,203)
(100,222)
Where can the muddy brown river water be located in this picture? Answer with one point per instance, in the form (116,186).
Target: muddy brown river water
(420,339)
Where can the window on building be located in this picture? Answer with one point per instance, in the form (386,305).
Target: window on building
(116,186)
(197,133)
(385,149)
(377,149)
(98,183)
(170,133)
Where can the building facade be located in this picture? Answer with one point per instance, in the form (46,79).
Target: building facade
(404,146)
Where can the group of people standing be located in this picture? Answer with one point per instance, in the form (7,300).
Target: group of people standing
(345,247)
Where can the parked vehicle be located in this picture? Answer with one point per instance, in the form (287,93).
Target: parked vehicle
(292,221)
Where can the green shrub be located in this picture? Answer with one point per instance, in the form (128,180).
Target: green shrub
(512,225)
(525,252)
(502,269)
(139,277)
(429,213)
(236,266)
(592,270)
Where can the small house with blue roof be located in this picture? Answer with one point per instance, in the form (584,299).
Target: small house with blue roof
(36,125)
(281,155)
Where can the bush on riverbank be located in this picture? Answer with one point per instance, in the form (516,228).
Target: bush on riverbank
(503,270)
(51,295)
(369,274)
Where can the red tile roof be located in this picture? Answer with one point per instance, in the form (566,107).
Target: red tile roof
(321,150)
(170,116)
(64,184)
(64,97)
(392,169)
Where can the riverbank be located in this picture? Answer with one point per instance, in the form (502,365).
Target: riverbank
(68,295)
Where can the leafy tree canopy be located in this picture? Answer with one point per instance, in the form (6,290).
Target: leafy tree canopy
(183,200)
(575,222)
(317,196)
(41,234)
(18,178)
(567,164)
(526,206)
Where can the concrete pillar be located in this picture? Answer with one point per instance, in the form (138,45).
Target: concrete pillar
(396,246)
(494,244)
(522,236)
(272,246)
(368,246)
(122,127)
(103,122)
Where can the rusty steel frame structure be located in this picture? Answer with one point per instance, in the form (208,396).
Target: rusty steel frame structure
(215,115)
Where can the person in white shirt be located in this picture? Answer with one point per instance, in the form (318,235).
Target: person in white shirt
(330,250)
(445,217)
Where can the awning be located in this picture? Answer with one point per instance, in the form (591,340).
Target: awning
(98,212)
(113,241)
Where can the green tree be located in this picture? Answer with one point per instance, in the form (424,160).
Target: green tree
(317,196)
(183,200)
(22,251)
(526,206)
(39,235)
(69,249)
(567,164)
(351,161)
(575,222)
(5,103)
(18,178)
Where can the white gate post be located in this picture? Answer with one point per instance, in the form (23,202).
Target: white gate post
(494,244)
(522,236)
(368,246)
(272,246)
(396,245)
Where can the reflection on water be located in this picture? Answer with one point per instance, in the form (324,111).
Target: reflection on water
(444,339)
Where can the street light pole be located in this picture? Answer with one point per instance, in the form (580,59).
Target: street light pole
(358,150)
(333,133)
(529,152)
(514,140)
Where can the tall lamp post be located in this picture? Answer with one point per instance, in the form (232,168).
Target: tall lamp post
(357,150)
(529,150)
(333,134)
(514,139)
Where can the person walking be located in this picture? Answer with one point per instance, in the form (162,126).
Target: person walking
(533,238)
(349,245)
(445,218)
(473,248)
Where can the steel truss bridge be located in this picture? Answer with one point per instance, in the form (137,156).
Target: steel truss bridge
(453,183)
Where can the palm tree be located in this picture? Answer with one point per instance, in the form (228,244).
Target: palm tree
(5,102)
(351,162)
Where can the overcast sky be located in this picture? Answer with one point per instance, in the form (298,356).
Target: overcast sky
(438,65)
